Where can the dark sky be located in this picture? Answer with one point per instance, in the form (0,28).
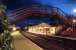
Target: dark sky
(66,5)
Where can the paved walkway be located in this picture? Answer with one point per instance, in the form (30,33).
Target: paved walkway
(22,43)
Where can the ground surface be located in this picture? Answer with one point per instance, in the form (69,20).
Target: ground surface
(22,43)
(33,41)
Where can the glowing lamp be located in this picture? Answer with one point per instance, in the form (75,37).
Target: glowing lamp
(74,10)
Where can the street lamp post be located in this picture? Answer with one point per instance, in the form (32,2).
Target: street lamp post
(74,23)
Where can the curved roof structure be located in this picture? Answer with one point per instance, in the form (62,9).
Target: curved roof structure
(38,10)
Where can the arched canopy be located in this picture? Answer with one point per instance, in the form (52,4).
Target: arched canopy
(23,13)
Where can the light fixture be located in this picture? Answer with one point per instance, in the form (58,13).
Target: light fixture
(74,10)
(74,20)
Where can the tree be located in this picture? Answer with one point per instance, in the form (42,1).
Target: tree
(5,37)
